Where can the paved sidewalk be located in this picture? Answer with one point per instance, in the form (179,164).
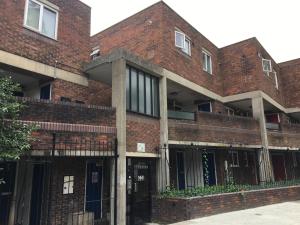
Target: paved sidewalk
(287,213)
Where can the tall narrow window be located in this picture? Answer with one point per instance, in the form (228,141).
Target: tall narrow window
(142,92)
(134,93)
(267,66)
(41,18)
(206,61)
(276,80)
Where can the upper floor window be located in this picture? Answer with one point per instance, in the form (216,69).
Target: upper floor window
(267,66)
(206,61)
(142,92)
(183,42)
(205,107)
(276,79)
(41,18)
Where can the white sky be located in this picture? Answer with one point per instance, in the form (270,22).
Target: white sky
(276,23)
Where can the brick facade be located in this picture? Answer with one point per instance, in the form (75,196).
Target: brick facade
(68,52)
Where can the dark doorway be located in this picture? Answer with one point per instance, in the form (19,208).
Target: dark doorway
(7,178)
(209,173)
(37,194)
(180,170)
(139,190)
(94,189)
(278,167)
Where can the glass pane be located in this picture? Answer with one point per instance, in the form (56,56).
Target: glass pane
(155,96)
(133,90)
(49,23)
(33,15)
(209,64)
(179,39)
(204,61)
(148,95)
(127,89)
(187,47)
(141,93)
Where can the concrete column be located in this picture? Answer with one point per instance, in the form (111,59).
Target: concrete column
(265,168)
(119,102)
(163,173)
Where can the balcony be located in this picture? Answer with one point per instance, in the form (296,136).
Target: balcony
(287,136)
(215,128)
(66,112)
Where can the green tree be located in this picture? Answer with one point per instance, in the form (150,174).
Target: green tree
(15,137)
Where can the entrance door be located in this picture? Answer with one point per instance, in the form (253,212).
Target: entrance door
(7,178)
(139,190)
(278,167)
(180,170)
(94,189)
(37,194)
(209,174)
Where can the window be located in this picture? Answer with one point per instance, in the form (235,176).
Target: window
(68,187)
(276,79)
(246,159)
(142,92)
(204,107)
(95,53)
(234,159)
(41,18)
(295,162)
(267,66)
(206,61)
(45,92)
(183,42)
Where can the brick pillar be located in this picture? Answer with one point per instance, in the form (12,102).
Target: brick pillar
(265,167)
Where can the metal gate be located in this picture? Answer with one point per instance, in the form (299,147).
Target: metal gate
(66,179)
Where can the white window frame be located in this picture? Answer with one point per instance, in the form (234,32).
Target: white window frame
(276,80)
(204,64)
(68,186)
(42,6)
(270,62)
(183,47)
(232,164)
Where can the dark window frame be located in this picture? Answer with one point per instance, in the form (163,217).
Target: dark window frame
(152,101)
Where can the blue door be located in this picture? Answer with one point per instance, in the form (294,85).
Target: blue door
(180,170)
(210,170)
(94,189)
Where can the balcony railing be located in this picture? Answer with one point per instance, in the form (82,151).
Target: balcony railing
(216,128)
(181,115)
(273,126)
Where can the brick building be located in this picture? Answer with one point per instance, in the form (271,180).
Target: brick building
(170,97)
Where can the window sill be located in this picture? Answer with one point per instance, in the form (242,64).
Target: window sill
(142,114)
(210,74)
(40,34)
(183,53)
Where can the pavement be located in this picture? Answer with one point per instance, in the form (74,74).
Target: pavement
(287,213)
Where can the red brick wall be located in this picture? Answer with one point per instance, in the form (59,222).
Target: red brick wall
(96,93)
(172,210)
(241,68)
(140,34)
(142,129)
(72,46)
(291,73)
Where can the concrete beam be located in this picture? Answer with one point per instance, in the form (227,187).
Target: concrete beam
(40,68)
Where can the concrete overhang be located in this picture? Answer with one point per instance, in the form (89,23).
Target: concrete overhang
(101,68)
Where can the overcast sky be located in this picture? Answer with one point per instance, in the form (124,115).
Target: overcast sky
(276,23)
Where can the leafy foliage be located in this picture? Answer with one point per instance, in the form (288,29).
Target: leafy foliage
(220,189)
(15,136)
